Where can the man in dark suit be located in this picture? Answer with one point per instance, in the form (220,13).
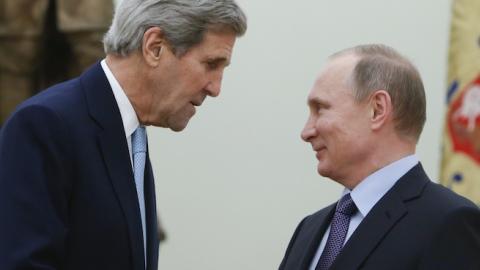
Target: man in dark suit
(76,184)
(367,110)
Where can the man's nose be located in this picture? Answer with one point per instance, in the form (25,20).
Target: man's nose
(308,131)
(214,86)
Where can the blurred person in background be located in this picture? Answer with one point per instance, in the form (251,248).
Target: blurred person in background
(43,42)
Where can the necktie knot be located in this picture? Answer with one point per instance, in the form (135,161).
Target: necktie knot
(346,205)
(139,140)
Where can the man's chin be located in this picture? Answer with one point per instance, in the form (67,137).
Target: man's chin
(178,126)
(323,171)
(179,121)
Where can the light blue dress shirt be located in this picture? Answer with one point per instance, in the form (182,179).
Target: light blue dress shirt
(368,193)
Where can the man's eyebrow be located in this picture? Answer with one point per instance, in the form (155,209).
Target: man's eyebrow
(316,101)
(219,59)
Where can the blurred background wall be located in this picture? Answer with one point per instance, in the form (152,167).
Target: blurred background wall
(232,187)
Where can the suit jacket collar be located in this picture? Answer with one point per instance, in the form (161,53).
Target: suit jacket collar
(111,137)
(384,215)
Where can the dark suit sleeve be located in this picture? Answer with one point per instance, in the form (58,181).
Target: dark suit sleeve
(457,243)
(292,241)
(34,188)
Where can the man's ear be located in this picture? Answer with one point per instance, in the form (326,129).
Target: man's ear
(153,45)
(381,109)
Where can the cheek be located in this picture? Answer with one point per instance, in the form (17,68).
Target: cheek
(192,86)
(194,74)
(325,127)
(337,138)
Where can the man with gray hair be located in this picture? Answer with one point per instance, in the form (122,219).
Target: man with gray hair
(76,183)
(367,111)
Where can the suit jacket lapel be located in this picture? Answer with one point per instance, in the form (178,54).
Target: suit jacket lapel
(104,109)
(380,220)
(370,232)
(151,215)
(316,228)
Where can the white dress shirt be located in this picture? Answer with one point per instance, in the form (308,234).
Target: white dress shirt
(129,117)
(367,194)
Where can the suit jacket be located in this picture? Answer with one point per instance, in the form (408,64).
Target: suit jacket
(67,191)
(417,224)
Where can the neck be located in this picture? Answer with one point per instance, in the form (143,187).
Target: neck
(130,74)
(384,152)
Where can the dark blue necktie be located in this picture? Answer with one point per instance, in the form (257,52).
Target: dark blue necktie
(338,231)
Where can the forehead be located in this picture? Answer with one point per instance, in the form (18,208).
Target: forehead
(214,45)
(334,79)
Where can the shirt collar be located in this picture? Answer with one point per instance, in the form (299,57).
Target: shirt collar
(371,189)
(129,117)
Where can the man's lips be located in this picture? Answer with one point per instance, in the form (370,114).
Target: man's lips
(197,102)
(319,148)
(319,151)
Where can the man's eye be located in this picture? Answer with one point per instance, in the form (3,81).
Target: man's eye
(321,107)
(212,65)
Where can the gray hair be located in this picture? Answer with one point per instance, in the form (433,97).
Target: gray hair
(183,22)
(382,68)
